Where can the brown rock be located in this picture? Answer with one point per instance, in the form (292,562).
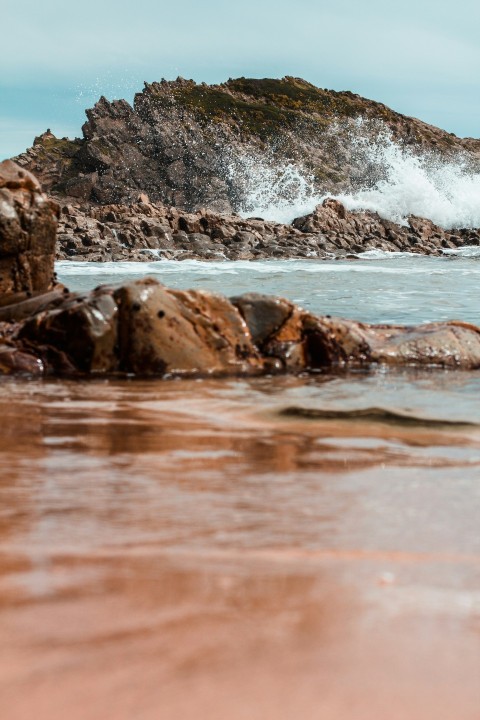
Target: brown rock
(162,332)
(336,207)
(81,187)
(263,314)
(144,328)
(14,361)
(22,310)
(449,345)
(333,342)
(28,223)
(13,177)
(83,329)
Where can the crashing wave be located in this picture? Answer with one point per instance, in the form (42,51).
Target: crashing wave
(391,179)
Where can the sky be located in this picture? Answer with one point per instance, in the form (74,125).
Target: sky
(420,57)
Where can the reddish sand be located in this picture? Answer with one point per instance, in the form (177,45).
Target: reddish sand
(178,551)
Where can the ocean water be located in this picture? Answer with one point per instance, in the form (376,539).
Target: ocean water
(377,287)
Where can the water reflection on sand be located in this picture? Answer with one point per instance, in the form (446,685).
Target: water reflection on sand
(183,550)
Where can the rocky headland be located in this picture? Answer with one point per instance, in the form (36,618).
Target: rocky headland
(143,328)
(179,139)
(168,175)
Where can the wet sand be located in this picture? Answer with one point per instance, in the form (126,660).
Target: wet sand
(182,550)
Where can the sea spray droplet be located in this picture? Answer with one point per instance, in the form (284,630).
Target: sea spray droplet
(264,187)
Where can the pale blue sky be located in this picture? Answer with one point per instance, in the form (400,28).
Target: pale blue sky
(57,58)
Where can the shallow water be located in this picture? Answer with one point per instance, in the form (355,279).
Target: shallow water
(378,288)
(186,550)
(244,549)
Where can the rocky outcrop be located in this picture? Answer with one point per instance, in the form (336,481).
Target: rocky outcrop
(364,230)
(166,176)
(28,223)
(143,231)
(184,143)
(145,329)
(140,328)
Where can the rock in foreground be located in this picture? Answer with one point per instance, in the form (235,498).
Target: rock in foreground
(28,225)
(143,328)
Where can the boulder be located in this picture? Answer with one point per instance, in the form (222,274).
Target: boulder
(28,224)
(165,331)
(335,342)
(141,328)
(78,335)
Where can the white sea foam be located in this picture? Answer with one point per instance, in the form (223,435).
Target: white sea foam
(267,188)
(467,251)
(446,192)
(400,182)
(386,255)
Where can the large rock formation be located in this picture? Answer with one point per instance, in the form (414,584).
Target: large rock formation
(28,223)
(183,144)
(169,173)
